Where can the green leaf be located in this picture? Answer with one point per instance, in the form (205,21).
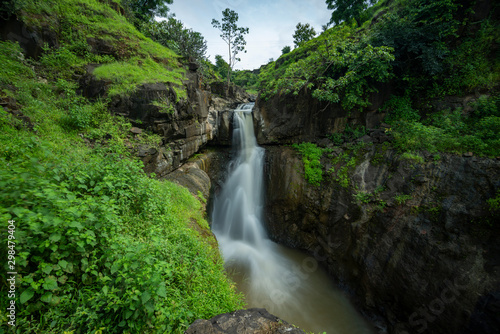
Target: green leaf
(105,289)
(146,296)
(47,269)
(162,291)
(50,283)
(63,264)
(55,237)
(128,314)
(26,295)
(47,297)
(76,224)
(115,267)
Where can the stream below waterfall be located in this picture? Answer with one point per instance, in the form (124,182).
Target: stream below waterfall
(287,283)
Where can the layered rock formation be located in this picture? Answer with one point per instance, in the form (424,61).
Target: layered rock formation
(188,124)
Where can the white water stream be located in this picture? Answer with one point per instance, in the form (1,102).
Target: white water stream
(287,283)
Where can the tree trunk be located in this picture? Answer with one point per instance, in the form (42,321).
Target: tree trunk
(229,70)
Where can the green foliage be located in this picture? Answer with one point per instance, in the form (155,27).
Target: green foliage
(362,197)
(221,66)
(399,108)
(164,105)
(100,246)
(470,66)
(453,131)
(286,50)
(344,10)
(494,202)
(302,34)
(353,133)
(417,31)
(341,69)
(172,34)
(311,156)
(342,164)
(402,198)
(336,138)
(128,75)
(146,10)
(412,157)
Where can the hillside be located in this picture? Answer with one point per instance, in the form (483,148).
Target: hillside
(99,245)
(382,164)
(429,69)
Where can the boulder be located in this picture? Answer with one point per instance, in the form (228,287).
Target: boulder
(251,321)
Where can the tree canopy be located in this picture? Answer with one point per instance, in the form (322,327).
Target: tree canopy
(233,35)
(303,33)
(145,10)
(172,34)
(344,10)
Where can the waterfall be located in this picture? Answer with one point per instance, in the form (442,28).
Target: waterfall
(238,220)
(285,282)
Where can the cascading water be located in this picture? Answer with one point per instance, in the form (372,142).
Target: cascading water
(285,282)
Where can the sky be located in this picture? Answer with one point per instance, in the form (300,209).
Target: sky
(271,25)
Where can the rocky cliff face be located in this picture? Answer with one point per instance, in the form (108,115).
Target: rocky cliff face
(414,242)
(185,128)
(290,118)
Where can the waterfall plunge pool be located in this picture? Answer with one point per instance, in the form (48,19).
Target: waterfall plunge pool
(287,283)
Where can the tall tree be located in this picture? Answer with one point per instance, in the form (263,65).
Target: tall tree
(233,35)
(303,33)
(344,10)
(172,34)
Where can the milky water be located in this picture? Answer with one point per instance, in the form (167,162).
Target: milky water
(287,283)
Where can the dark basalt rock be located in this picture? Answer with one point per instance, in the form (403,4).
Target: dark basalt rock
(430,264)
(251,321)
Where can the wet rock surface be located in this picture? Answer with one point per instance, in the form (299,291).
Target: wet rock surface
(414,243)
(251,321)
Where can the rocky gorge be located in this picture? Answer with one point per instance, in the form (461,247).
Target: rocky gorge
(410,237)
(412,241)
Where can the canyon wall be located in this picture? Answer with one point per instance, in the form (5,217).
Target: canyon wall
(411,239)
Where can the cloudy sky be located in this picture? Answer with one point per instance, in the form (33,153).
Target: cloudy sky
(271,23)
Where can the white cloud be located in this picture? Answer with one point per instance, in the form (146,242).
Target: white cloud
(271,24)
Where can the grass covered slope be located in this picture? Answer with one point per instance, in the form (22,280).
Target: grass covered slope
(91,31)
(99,245)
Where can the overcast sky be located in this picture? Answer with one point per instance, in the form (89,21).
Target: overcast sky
(271,23)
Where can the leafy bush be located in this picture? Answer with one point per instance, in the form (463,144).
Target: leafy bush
(399,109)
(100,246)
(311,156)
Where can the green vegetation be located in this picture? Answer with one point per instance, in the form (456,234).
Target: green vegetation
(311,156)
(234,37)
(172,34)
(425,50)
(342,69)
(341,167)
(494,202)
(302,34)
(128,75)
(402,198)
(412,157)
(100,246)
